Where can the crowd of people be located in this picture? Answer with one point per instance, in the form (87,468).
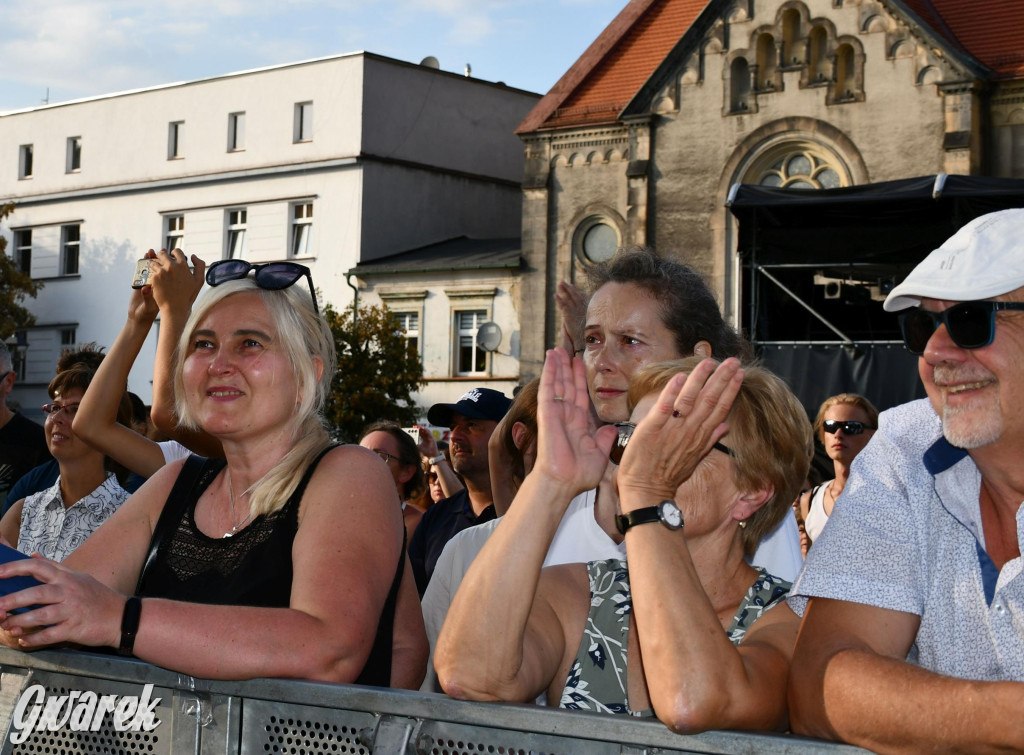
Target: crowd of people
(625,535)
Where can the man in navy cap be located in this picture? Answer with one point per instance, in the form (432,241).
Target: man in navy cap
(471,419)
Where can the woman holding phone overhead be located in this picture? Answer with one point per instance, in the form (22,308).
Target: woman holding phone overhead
(258,565)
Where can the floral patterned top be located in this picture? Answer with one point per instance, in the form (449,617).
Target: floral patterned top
(597,678)
(54,530)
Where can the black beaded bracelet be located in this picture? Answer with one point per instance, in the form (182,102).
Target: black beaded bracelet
(130,625)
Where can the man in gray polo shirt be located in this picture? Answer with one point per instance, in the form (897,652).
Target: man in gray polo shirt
(913,636)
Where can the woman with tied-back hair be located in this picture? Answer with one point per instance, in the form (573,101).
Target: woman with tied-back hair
(644,309)
(281,560)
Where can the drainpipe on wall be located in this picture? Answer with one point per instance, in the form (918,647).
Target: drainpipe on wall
(355,299)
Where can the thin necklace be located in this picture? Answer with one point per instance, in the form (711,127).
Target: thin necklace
(831,493)
(231,500)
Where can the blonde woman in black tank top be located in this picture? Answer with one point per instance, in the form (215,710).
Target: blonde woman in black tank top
(265,565)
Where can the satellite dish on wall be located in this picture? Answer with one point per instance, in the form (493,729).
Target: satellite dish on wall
(488,336)
(430,62)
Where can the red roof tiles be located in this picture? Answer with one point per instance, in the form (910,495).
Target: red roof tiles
(992,31)
(614,68)
(607,76)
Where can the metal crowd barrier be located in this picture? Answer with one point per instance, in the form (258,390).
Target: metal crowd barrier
(295,718)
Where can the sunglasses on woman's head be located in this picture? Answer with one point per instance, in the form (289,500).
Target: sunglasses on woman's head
(851,427)
(625,430)
(271,276)
(971,324)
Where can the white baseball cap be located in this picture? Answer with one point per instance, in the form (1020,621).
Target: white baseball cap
(983,259)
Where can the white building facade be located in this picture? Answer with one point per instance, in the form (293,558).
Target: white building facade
(330,162)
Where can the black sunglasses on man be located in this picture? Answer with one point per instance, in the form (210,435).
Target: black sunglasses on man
(970,324)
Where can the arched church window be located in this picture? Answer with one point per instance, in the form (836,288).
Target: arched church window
(766,61)
(817,64)
(846,75)
(739,85)
(799,168)
(790,36)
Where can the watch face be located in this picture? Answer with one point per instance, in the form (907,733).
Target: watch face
(670,514)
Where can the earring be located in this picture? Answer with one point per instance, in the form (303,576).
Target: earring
(743,524)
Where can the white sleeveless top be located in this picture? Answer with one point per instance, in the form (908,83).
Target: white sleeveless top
(816,516)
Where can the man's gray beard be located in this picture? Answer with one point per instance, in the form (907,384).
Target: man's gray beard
(969,435)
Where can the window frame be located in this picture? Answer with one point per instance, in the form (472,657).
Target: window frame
(73,159)
(300,224)
(22,251)
(235,227)
(459,333)
(26,158)
(174,133)
(302,128)
(236,131)
(173,229)
(68,245)
(411,334)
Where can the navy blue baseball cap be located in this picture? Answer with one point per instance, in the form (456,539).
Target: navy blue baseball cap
(479,403)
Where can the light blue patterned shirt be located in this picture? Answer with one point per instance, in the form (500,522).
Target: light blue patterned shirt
(906,535)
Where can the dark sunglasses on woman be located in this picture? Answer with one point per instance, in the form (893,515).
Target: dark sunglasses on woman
(971,324)
(625,430)
(272,276)
(850,427)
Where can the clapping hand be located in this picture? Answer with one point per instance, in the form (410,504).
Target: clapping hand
(685,422)
(572,305)
(568,451)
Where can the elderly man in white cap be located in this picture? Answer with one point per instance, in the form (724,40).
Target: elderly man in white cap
(913,597)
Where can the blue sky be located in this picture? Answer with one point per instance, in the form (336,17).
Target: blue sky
(79,48)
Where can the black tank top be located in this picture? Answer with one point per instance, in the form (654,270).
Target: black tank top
(251,568)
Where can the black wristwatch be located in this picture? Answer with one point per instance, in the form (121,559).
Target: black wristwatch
(665,512)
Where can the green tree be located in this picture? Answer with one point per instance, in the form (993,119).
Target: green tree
(377,371)
(14,287)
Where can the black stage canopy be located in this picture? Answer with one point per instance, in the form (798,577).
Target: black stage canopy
(817,264)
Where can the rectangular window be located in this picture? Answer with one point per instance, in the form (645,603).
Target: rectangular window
(70,240)
(23,250)
(470,359)
(25,161)
(174,132)
(74,157)
(409,326)
(303,121)
(68,336)
(236,234)
(174,234)
(236,132)
(302,229)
